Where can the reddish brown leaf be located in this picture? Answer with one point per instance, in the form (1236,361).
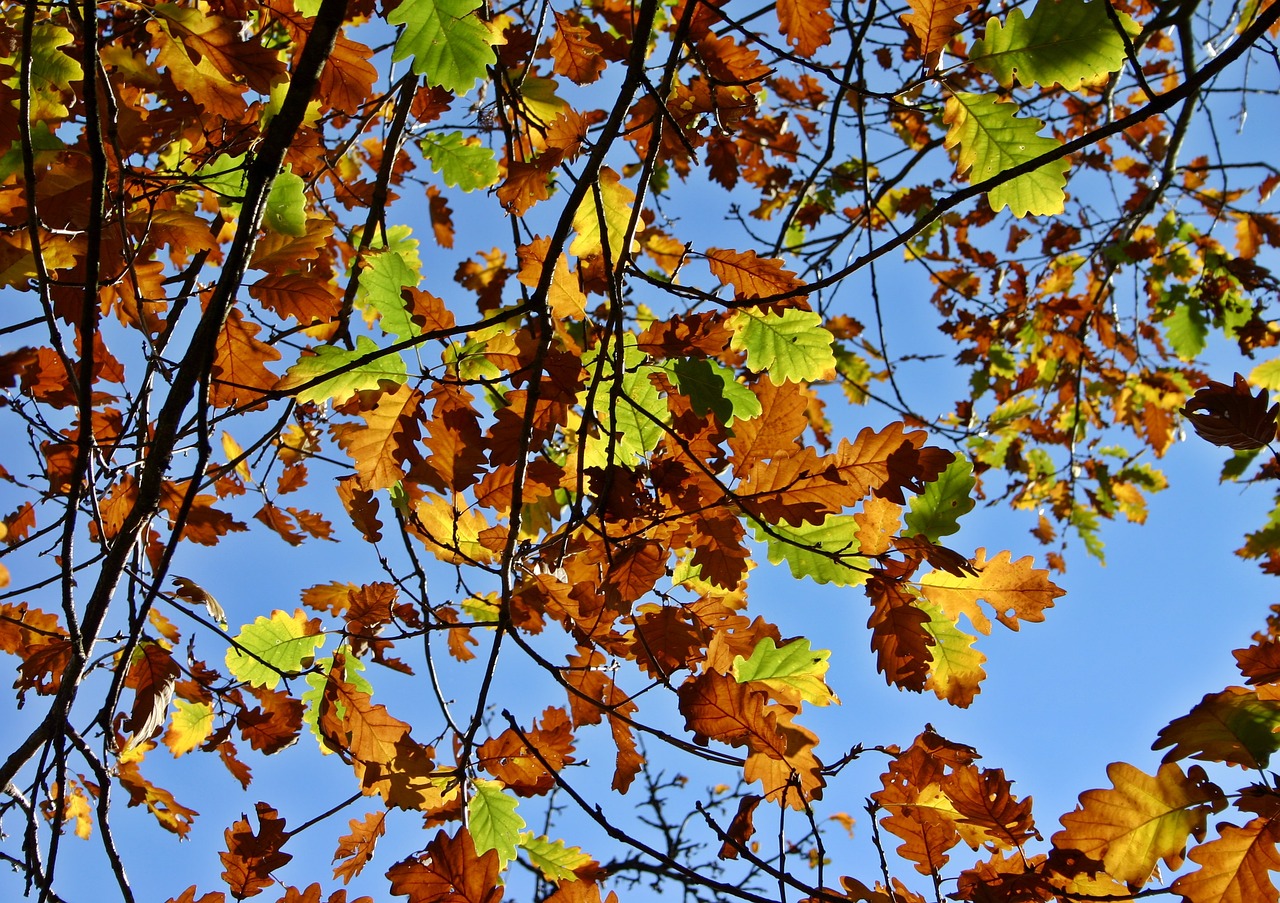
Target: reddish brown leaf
(250,858)
(741,829)
(806,23)
(239,378)
(448,872)
(1232,415)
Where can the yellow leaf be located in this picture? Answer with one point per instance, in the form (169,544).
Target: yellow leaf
(231,448)
(190,725)
(615,200)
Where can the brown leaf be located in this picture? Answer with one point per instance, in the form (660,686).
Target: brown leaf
(356,849)
(741,829)
(250,858)
(448,872)
(239,378)
(152,677)
(1232,416)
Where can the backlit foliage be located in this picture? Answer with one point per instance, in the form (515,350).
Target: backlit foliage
(556,319)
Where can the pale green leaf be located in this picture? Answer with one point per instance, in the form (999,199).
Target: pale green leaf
(493,821)
(44,144)
(794,670)
(825,553)
(385,274)
(53,70)
(287,205)
(283,644)
(937,511)
(1065,42)
(629,409)
(1188,331)
(224,175)
(448,41)
(556,861)
(712,388)
(992,140)
(462,162)
(1266,375)
(956,669)
(355,375)
(791,347)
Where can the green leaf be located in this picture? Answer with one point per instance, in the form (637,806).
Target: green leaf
(991,140)
(1188,331)
(287,205)
(627,410)
(463,162)
(385,274)
(937,511)
(283,644)
(329,359)
(353,673)
(1067,42)
(956,669)
(712,387)
(449,43)
(556,861)
(492,820)
(224,175)
(52,72)
(794,668)
(809,551)
(43,144)
(791,347)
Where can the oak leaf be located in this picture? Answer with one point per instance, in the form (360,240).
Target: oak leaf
(806,23)
(356,849)
(934,23)
(1234,726)
(1236,867)
(1017,591)
(250,858)
(449,871)
(1141,820)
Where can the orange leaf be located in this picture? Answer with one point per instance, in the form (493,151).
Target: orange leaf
(356,849)
(933,23)
(239,377)
(806,23)
(366,732)
(1235,868)
(750,275)
(386,443)
(577,56)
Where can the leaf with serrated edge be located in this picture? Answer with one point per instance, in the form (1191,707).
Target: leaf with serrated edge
(384,367)
(553,858)
(991,140)
(461,163)
(956,668)
(791,347)
(1139,822)
(1065,42)
(449,43)
(825,553)
(793,672)
(493,821)
(283,644)
(937,512)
